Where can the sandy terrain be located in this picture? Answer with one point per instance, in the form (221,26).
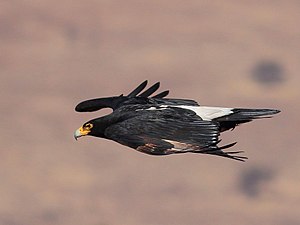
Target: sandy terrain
(53,54)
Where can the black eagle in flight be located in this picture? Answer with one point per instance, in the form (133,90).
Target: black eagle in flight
(161,126)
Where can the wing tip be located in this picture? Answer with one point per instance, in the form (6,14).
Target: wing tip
(81,107)
(218,151)
(162,94)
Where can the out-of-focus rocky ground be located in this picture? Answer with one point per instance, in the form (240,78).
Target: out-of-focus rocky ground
(54,54)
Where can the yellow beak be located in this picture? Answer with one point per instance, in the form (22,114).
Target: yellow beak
(80,132)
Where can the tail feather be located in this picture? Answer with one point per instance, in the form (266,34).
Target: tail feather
(253,113)
(239,116)
(250,114)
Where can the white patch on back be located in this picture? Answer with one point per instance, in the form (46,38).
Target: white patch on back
(206,112)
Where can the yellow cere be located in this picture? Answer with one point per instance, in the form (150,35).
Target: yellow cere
(86,129)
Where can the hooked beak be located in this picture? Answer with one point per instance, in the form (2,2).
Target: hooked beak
(80,132)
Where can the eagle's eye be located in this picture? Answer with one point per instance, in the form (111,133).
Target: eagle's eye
(88,126)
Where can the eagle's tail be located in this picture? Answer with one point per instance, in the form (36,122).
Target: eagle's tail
(241,115)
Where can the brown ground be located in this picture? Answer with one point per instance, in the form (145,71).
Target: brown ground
(54,54)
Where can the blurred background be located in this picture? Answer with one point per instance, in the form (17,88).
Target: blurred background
(54,54)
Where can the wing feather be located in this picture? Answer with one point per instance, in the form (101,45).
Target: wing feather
(138,89)
(150,90)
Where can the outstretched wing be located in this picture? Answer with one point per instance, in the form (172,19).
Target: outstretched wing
(134,97)
(115,102)
(169,131)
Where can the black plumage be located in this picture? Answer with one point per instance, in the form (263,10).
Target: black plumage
(161,126)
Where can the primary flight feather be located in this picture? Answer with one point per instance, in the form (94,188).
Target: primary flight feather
(161,126)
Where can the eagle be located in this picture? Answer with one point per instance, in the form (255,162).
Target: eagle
(156,125)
